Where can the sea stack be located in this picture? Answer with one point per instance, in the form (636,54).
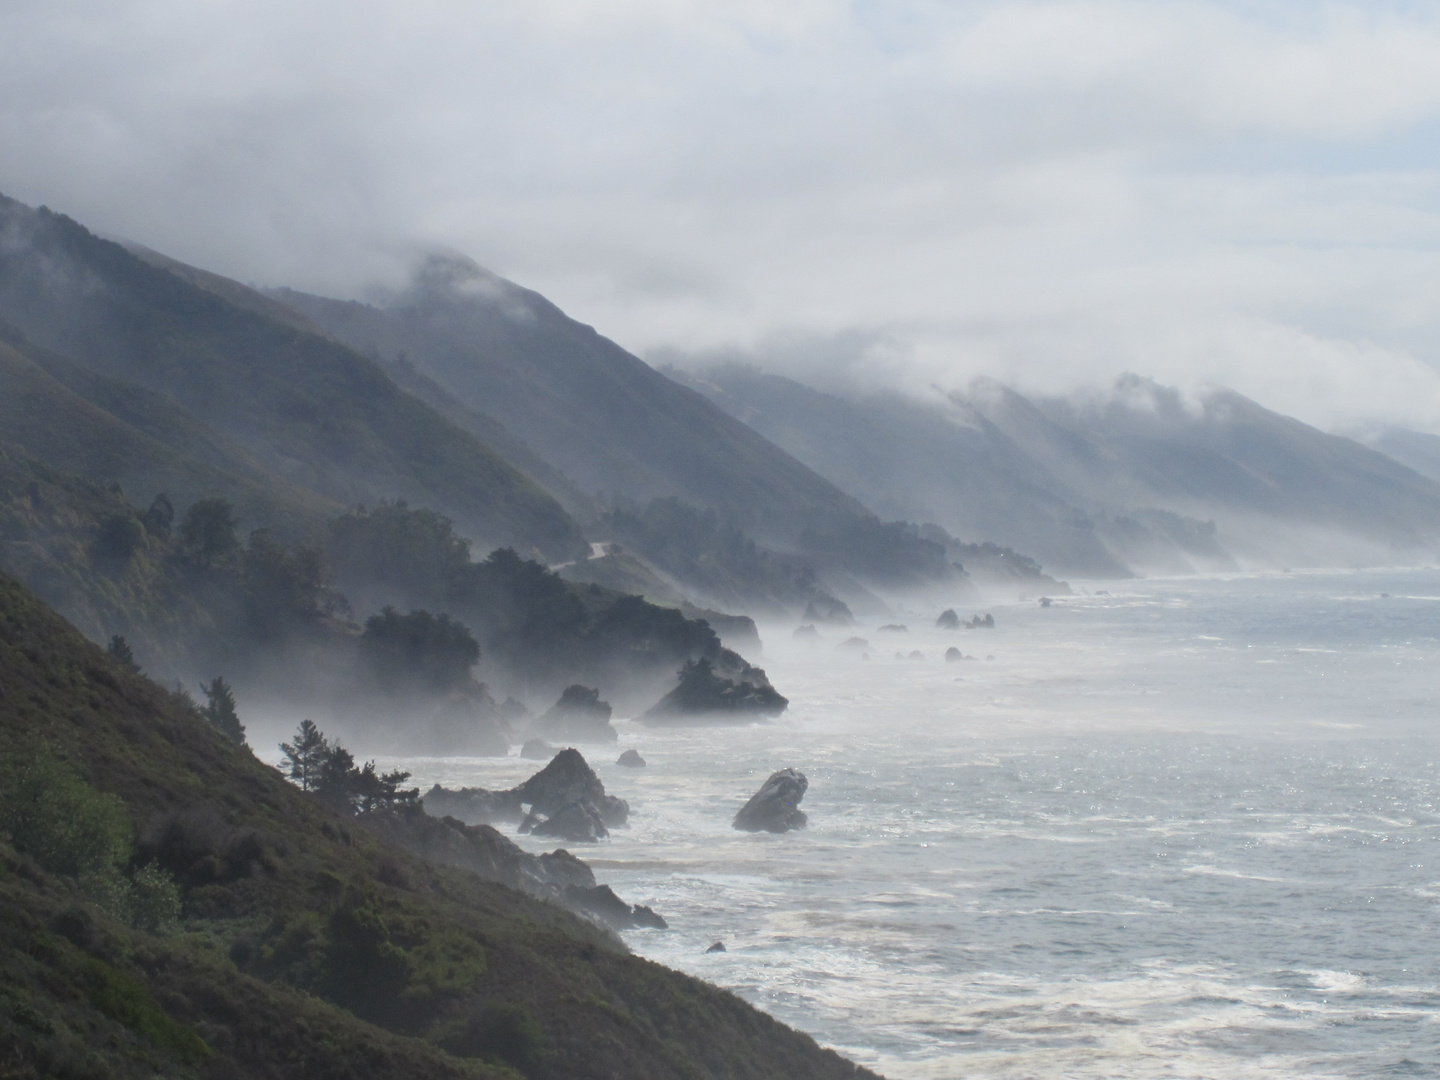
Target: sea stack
(776,806)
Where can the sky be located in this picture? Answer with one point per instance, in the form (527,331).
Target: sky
(912,194)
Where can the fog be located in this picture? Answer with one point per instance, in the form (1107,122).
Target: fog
(1049,193)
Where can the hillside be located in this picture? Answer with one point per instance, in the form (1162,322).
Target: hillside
(309,411)
(598,414)
(303,945)
(1135,478)
(914,462)
(110,432)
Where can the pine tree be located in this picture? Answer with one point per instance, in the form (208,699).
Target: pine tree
(119,648)
(306,755)
(220,710)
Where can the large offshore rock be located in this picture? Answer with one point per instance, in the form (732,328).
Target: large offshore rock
(579,716)
(569,779)
(776,806)
(704,695)
(631,759)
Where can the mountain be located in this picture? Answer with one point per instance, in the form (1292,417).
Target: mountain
(1137,479)
(307,411)
(919,462)
(598,414)
(607,421)
(170,906)
(1418,450)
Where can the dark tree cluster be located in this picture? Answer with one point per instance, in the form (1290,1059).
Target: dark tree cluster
(327,770)
(418,652)
(891,551)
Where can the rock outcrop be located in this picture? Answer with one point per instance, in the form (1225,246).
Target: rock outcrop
(948,620)
(952,655)
(806,632)
(703,695)
(601,902)
(537,750)
(631,759)
(566,792)
(776,806)
(578,822)
(473,806)
(569,779)
(894,628)
(579,716)
(556,876)
(854,644)
(985,622)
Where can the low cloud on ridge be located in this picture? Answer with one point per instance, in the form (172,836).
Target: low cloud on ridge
(1050,193)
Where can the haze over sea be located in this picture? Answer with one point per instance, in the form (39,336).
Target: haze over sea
(1186,829)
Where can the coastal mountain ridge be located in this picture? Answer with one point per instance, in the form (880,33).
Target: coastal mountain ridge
(1138,479)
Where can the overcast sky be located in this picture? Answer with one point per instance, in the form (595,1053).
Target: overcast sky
(1053,193)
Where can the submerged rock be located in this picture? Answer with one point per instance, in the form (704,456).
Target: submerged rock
(631,759)
(537,750)
(948,620)
(776,806)
(894,628)
(1045,601)
(579,716)
(705,695)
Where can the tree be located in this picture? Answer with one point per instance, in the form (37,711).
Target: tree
(209,529)
(119,648)
(306,754)
(118,538)
(418,651)
(282,589)
(160,517)
(335,779)
(220,710)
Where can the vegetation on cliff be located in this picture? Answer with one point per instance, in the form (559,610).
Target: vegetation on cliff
(303,944)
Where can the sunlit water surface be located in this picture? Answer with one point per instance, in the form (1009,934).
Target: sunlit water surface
(1188,829)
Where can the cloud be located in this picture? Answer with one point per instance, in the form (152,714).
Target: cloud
(1053,192)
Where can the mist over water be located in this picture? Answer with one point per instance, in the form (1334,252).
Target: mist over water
(1186,829)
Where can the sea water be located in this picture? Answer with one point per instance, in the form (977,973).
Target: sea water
(1190,828)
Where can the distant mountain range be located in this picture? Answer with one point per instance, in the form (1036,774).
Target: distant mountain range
(1139,479)
(468,395)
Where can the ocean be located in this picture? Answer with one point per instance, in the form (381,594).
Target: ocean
(1174,828)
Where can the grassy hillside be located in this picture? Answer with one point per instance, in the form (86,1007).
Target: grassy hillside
(311,411)
(110,432)
(302,946)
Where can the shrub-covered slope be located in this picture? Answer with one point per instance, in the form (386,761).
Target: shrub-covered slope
(305,947)
(309,409)
(110,432)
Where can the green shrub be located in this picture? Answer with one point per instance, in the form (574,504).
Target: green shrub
(58,819)
(126,1001)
